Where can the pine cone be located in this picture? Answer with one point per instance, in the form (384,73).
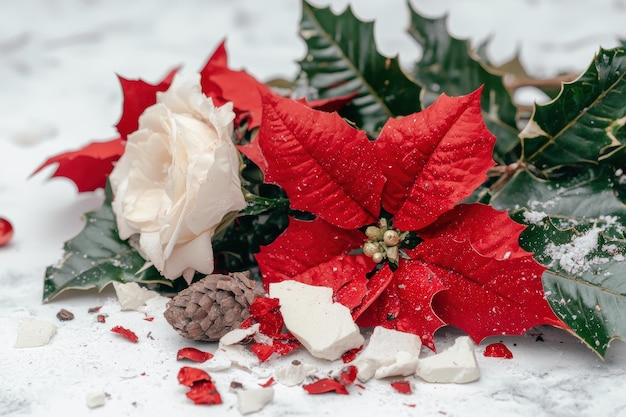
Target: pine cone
(213,306)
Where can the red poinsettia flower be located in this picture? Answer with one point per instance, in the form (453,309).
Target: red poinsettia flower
(468,270)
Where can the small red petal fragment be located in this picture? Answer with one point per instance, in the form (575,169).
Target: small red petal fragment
(348,375)
(189,375)
(193,354)
(498,350)
(283,348)
(262,351)
(204,392)
(148,318)
(94,309)
(267,383)
(266,312)
(6,231)
(325,385)
(403,387)
(128,334)
(102,318)
(350,355)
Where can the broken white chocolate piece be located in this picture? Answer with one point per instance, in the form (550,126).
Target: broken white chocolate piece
(404,365)
(252,400)
(131,296)
(382,351)
(237,354)
(294,374)
(324,328)
(237,335)
(456,365)
(34,333)
(95,399)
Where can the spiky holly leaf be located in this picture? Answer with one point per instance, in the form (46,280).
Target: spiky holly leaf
(342,58)
(138,96)
(433,159)
(89,166)
(586,280)
(449,65)
(96,257)
(324,165)
(582,123)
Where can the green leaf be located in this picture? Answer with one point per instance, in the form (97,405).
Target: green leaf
(449,65)
(586,280)
(583,121)
(96,257)
(257,205)
(342,59)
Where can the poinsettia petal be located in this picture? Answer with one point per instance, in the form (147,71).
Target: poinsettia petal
(491,232)
(89,166)
(223,84)
(325,166)
(405,304)
(486,296)
(434,159)
(253,151)
(138,96)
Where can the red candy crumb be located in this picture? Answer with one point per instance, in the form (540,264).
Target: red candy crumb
(325,385)
(498,350)
(193,354)
(403,387)
(6,231)
(128,334)
(202,390)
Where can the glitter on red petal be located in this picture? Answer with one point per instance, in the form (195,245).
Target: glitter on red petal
(403,387)
(193,354)
(350,355)
(188,375)
(262,351)
(204,392)
(267,383)
(325,385)
(498,350)
(348,375)
(128,334)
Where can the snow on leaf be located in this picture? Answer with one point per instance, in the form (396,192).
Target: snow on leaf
(325,166)
(433,159)
(89,166)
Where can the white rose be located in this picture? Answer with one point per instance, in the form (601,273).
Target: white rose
(177,179)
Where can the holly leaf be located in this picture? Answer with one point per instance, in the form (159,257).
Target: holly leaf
(449,65)
(342,58)
(87,167)
(582,123)
(96,257)
(138,96)
(433,159)
(586,280)
(335,179)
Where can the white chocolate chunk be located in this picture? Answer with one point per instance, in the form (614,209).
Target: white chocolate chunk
(131,296)
(324,328)
(404,365)
(455,365)
(253,400)
(382,351)
(237,335)
(294,374)
(34,332)
(95,399)
(237,354)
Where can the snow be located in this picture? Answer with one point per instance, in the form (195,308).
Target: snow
(58,66)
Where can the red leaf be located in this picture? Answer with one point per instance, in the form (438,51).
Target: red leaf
(128,334)
(485,295)
(403,387)
(330,105)
(138,96)
(188,375)
(339,180)
(325,385)
(193,354)
(498,350)
(223,85)
(89,166)
(204,392)
(405,304)
(433,159)
(262,351)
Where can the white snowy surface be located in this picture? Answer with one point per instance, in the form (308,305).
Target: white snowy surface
(58,91)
